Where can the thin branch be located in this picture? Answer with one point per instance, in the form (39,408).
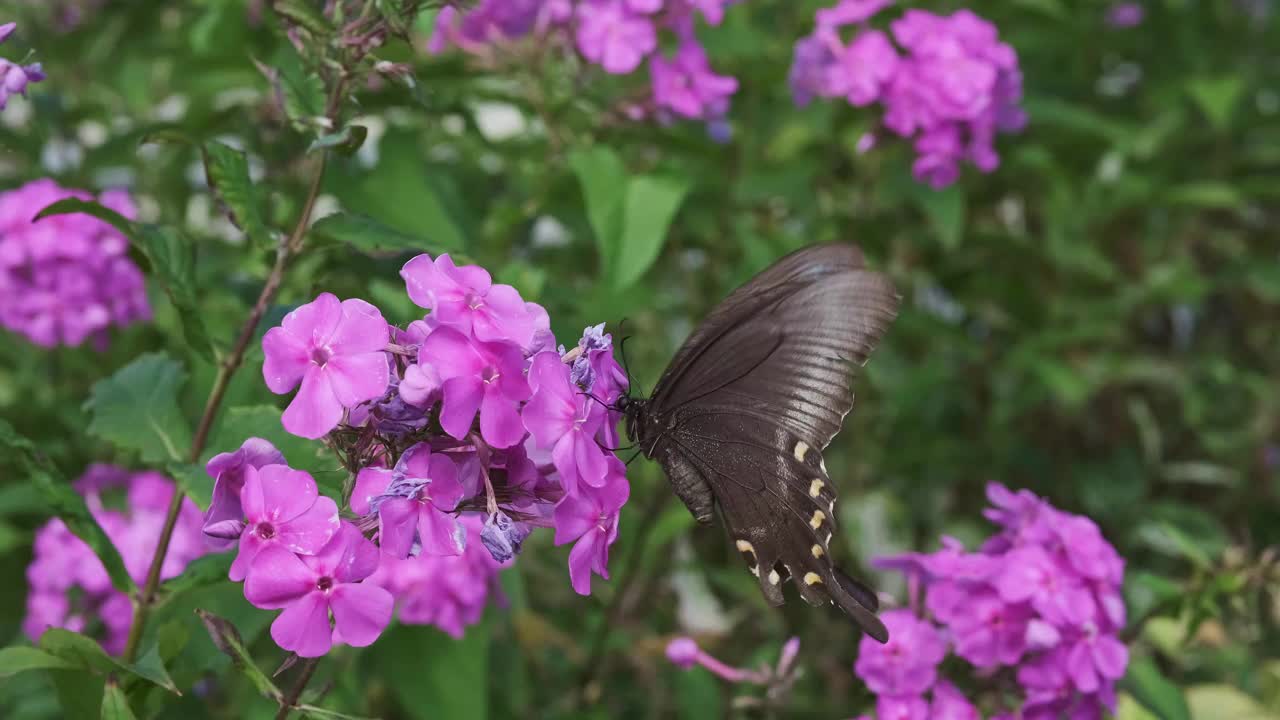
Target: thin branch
(295,693)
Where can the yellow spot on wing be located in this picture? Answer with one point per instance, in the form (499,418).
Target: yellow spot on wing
(774,577)
(816,521)
(815,487)
(745,546)
(817,551)
(802,449)
(811,578)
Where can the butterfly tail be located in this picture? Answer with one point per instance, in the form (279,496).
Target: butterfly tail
(860,603)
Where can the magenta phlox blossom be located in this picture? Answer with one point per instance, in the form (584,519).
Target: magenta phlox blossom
(224,520)
(414,502)
(686,85)
(14,78)
(67,278)
(589,519)
(466,299)
(1041,596)
(478,377)
(907,664)
(283,507)
(335,350)
(614,36)
(68,587)
(565,419)
(310,587)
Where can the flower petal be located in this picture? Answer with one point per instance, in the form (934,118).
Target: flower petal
(397,524)
(250,546)
(452,354)
(361,330)
(370,482)
(304,627)
(361,612)
(440,533)
(582,558)
(286,493)
(446,490)
(277,579)
(357,378)
(462,396)
(360,559)
(500,424)
(286,359)
(314,322)
(315,410)
(308,533)
(589,459)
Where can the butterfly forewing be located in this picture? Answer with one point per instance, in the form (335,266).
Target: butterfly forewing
(751,400)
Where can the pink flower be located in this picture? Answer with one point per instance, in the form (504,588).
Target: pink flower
(949,704)
(484,377)
(283,508)
(1096,659)
(849,12)
(224,520)
(901,707)
(613,37)
(564,419)
(907,664)
(414,502)
(591,519)
(987,632)
(465,298)
(1030,575)
(687,86)
(309,588)
(335,349)
(863,68)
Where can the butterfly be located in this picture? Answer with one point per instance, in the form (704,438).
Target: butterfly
(742,414)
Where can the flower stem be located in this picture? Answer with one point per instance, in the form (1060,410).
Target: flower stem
(230,364)
(295,693)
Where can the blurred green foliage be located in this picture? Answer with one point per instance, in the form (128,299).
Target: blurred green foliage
(1098,320)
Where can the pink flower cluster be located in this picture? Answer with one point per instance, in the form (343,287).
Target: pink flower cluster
(618,36)
(949,84)
(66,278)
(68,586)
(469,425)
(1041,597)
(14,78)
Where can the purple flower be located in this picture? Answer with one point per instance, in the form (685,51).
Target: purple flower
(335,349)
(949,704)
(14,78)
(907,664)
(283,508)
(988,632)
(66,278)
(811,64)
(415,503)
(1123,15)
(449,592)
(224,520)
(564,419)
(420,386)
(589,519)
(901,707)
(309,588)
(861,70)
(686,85)
(683,652)
(614,37)
(465,298)
(1030,575)
(502,536)
(487,377)
(1096,659)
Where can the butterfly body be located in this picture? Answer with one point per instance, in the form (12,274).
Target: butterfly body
(741,416)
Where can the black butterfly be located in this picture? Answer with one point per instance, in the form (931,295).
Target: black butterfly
(742,414)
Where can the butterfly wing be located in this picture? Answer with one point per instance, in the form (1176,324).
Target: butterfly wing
(756,394)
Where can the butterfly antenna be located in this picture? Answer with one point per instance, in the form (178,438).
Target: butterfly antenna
(626,366)
(633,457)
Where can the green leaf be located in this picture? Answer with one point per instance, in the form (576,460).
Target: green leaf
(299,91)
(1155,691)
(18,658)
(1217,97)
(344,142)
(1206,194)
(945,210)
(194,482)
(1212,701)
(137,408)
(650,206)
(368,235)
(303,14)
(263,421)
(326,714)
(79,693)
(227,170)
(67,504)
(227,639)
(115,706)
(202,572)
(454,689)
(603,178)
(85,652)
(171,259)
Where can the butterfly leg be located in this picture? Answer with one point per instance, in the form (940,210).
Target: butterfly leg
(689,486)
